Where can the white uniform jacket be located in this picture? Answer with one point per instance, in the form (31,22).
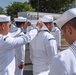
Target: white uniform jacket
(7,44)
(42,49)
(65,62)
(19,57)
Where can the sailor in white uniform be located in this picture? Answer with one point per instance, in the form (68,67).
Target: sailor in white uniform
(64,63)
(42,49)
(7,44)
(14,31)
(55,31)
(19,51)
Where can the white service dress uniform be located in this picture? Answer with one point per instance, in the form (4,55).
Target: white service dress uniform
(7,45)
(11,66)
(19,51)
(57,34)
(42,49)
(60,66)
(19,57)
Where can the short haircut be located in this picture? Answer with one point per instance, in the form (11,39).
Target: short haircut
(19,24)
(2,23)
(71,22)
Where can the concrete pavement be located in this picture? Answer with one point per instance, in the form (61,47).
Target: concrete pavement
(28,64)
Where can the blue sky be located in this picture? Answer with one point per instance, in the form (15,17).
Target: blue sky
(4,3)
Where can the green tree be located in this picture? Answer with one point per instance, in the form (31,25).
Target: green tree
(53,6)
(16,7)
(1,10)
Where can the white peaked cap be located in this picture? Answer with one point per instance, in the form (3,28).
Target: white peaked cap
(4,18)
(46,18)
(66,16)
(20,19)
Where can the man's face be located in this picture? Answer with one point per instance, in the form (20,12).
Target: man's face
(7,27)
(66,32)
(49,25)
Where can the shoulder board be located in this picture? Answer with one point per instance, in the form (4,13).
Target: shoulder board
(21,34)
(43,31)
(5,38)
(52,39)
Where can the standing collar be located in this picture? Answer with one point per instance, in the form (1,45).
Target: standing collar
(73,48)
(74,43)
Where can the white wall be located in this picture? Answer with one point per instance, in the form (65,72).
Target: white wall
(34,15)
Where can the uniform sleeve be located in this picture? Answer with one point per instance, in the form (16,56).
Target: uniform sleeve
(20,54)
(50,47)
(57,68)
(15,33)
(11,43)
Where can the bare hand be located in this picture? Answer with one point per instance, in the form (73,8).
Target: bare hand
(28,23)
(39,24)
(21,66)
